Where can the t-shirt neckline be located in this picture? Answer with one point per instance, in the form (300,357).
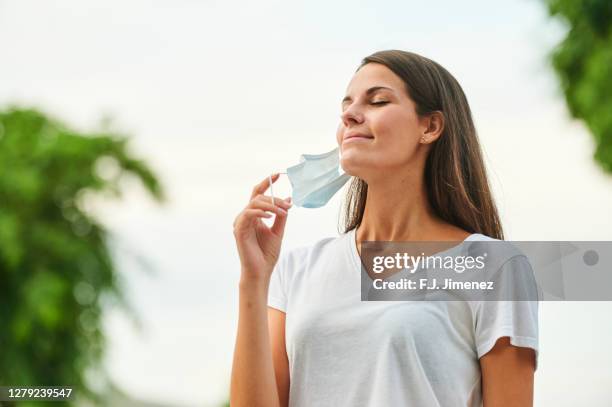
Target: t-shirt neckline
(352,241)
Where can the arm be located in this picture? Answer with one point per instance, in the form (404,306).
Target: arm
(253,381)
(507,375)
(276,320)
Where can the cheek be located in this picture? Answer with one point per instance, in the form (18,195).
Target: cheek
(395,127)
(339,134)
(397,137)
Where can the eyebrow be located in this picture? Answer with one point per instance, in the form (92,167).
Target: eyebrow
(368,92)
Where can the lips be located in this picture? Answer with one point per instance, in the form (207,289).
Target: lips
(357,136)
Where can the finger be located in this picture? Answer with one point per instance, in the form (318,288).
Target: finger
(263,185)
(278,227)
(248,215)
(283,203)
(261,202)
(257,213)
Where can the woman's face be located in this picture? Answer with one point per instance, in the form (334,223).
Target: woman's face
(379,129)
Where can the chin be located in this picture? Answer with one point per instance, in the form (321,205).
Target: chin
(353,168)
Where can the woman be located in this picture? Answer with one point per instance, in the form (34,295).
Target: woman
(304,336)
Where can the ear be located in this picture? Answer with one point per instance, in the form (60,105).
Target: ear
(434,126)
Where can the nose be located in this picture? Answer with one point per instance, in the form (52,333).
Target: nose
(351,116)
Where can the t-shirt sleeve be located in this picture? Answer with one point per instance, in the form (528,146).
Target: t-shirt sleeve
(517,320)
(277,294)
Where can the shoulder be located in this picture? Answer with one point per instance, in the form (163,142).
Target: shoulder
(506,267)
(304,256)
(479,237)
(498,252)
(321,247)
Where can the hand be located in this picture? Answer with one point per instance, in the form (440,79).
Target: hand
(259,245)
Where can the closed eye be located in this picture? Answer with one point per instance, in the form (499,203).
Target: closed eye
(380,103)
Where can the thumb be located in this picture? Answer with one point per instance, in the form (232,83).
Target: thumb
(278,227)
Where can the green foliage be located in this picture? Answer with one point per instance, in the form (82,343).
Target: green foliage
(55,262)
(583,62)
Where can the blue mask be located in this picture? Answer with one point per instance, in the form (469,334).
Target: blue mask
(316,179)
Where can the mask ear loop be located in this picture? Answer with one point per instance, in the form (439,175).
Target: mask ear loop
(271,189)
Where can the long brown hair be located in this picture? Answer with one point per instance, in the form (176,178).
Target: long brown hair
(455,175)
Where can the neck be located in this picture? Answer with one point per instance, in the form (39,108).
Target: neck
(398,209)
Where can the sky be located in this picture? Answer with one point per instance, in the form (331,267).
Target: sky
(219,94)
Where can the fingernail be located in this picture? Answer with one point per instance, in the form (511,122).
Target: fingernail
(281,210)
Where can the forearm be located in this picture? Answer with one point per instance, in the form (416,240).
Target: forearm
(253,381)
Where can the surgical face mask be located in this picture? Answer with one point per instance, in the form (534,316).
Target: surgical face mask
(316,178)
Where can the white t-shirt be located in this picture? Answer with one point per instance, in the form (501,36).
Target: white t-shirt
(345,352)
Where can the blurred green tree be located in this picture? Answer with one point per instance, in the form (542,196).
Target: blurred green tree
(582,62)
(55,257)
